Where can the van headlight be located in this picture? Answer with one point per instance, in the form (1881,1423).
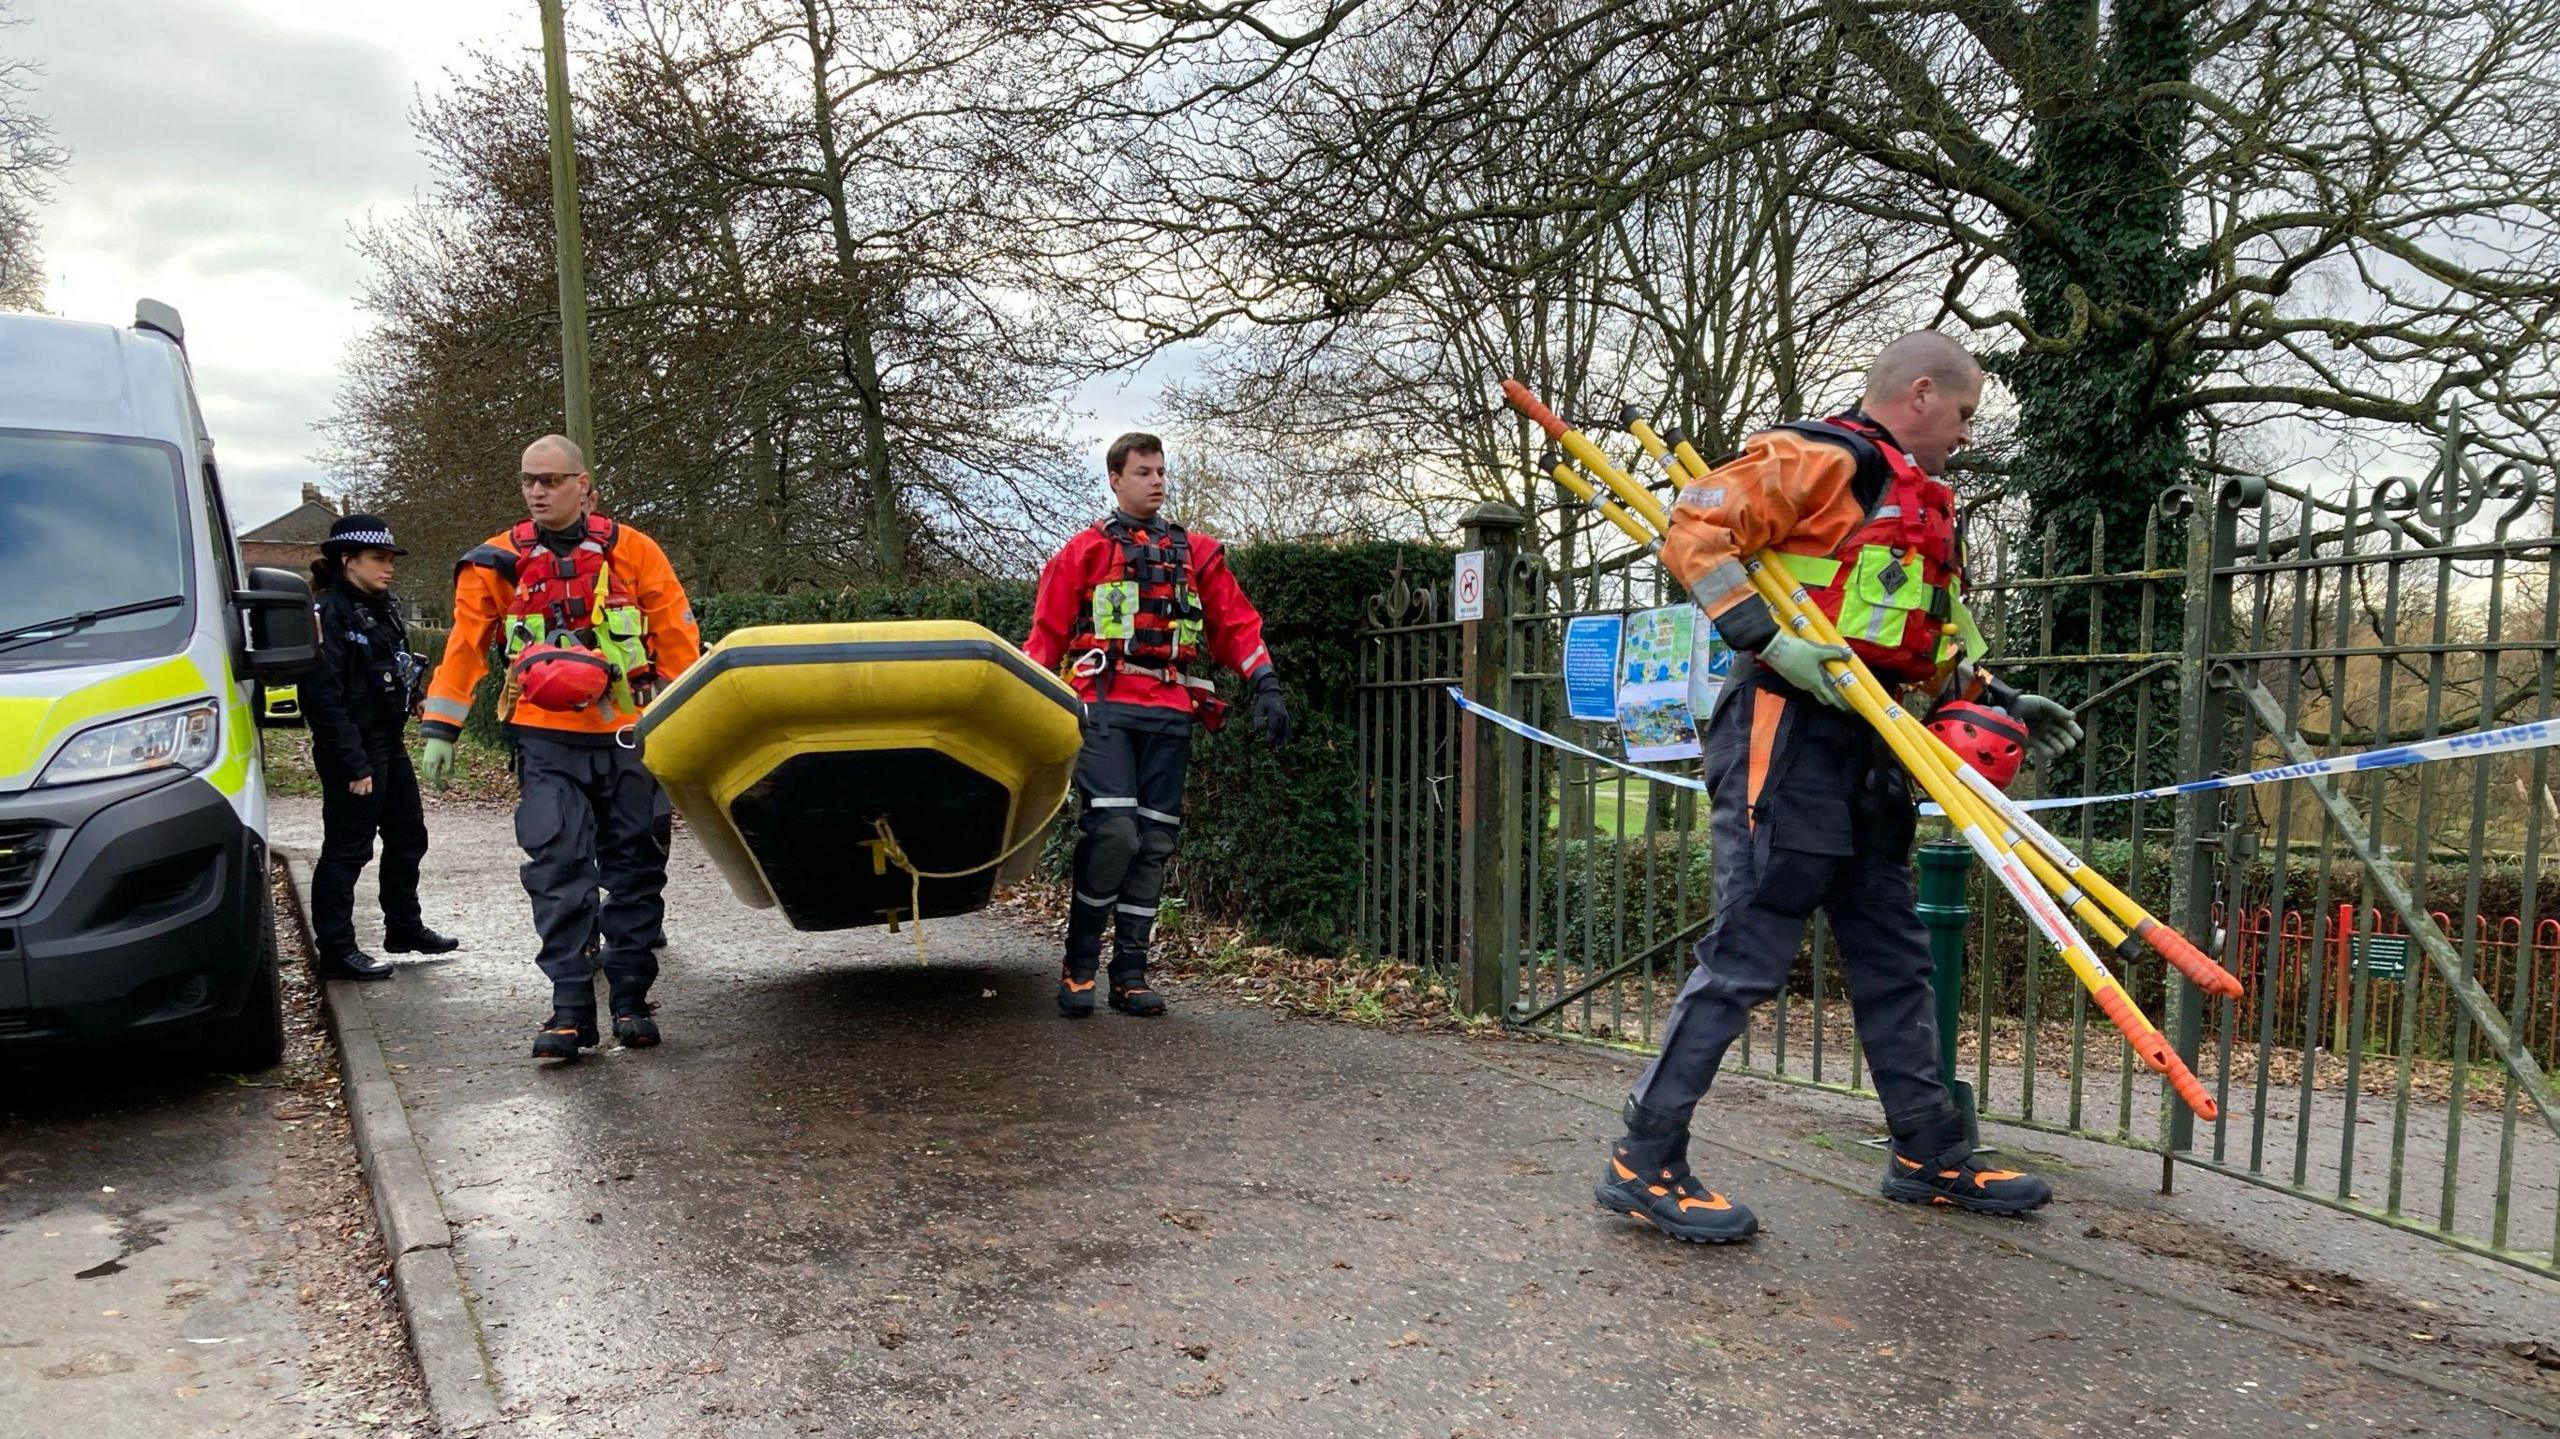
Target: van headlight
(187,738)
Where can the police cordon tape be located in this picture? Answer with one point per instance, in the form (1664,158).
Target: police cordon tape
(2513,739)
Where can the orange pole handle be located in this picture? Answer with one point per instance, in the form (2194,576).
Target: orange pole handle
(2153,1048)
(2192,962)
(1517,396)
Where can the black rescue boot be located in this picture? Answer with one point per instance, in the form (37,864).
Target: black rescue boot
(1129,992)
(354,964)
(1135,998)
(1649,1179)
(1075,994)
(421,940)
(565,1033)
(632,1026)
(1963,1183)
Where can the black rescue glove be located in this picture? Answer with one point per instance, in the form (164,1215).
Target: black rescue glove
(1270,714)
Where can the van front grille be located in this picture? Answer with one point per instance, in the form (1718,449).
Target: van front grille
(22,847)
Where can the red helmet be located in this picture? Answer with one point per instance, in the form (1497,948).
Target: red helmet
(1991,740)
(558,677)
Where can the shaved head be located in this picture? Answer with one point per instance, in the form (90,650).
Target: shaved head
(554,454)
(1924,389)
(557,488)
(1920,355)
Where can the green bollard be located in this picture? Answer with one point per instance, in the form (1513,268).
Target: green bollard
(1943,865)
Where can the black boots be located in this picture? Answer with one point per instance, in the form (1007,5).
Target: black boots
(1133,997)
(354,964)
(1649,1179)
(421,940)
(632,1026)
(1075,995)
(1965,1184)
(565,1033)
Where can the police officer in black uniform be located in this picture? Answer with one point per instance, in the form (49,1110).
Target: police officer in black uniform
(358,704)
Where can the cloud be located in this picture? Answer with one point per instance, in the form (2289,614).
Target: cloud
(205,98)
(221,152)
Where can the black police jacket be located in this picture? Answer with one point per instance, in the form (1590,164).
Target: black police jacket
(360,698)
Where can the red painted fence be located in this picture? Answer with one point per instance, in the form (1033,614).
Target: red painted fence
(2282,960)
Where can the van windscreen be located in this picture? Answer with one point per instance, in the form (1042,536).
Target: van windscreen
(90,523)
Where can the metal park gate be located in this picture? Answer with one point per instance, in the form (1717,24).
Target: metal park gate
(2391,1052)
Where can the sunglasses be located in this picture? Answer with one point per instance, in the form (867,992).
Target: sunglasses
(535,477)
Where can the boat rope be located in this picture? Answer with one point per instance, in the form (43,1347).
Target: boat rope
(886,851)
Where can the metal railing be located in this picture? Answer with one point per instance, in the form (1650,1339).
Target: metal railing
(2248,625)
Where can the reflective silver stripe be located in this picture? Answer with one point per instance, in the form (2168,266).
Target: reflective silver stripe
(1147,911)
(1159,816)
(1726,577)
(453,710)
(1086,899)
(1105,802)
(1260,657)
(1886,512)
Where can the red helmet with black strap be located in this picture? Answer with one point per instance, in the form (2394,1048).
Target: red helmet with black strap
(1987,738)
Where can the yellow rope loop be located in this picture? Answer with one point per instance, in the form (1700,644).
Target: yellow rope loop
(891,852)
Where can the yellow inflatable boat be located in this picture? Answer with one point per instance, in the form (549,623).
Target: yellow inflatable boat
(819,764)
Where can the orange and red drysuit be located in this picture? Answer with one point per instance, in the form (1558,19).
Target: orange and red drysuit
(1808,807)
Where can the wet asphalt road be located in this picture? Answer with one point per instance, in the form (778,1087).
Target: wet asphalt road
(185,1254)
(856,1196)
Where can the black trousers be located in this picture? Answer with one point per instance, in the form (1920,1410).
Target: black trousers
(586,819)
(1809,811)
(1130,776)
(349,823)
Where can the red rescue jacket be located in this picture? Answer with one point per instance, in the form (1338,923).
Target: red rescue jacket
(1126,607)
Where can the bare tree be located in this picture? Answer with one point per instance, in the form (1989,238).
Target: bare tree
(29,161)
(815,363)
(2168,221)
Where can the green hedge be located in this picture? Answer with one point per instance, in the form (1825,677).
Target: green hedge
(1270,842)
(1003,606)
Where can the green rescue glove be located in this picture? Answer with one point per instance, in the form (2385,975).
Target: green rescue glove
(2051,731)
(435,765)
(1799,663)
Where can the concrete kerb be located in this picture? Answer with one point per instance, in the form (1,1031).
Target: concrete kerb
(444,1332)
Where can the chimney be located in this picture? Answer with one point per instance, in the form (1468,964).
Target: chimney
(311,496)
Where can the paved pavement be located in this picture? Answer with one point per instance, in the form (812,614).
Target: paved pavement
(853,1195)
(184,1254)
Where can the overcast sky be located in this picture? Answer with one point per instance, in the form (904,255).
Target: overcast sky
(222,152)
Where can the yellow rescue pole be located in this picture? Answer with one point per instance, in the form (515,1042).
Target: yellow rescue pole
(2091,896)
(1865,695)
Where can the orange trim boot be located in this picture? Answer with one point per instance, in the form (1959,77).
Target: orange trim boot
(1133,997)
(1649,1179)
(1963,1183)
(1075,992)
(565,1033)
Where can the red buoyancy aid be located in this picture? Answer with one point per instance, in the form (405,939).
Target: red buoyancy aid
(1147,613)
(1893,586)
(556,603)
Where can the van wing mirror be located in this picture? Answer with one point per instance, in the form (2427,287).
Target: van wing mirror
(275,613)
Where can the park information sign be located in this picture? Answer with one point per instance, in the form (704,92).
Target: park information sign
(1591,667)
(1656,658)
(1655,674)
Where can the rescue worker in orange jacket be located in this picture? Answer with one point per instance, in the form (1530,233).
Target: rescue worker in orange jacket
(1808,807)
(1132,606)
(592,621)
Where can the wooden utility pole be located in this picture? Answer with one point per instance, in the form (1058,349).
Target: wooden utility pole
(568,248)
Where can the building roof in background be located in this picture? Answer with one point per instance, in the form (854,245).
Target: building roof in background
(305,524)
